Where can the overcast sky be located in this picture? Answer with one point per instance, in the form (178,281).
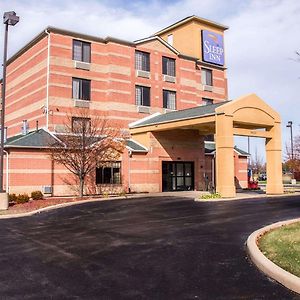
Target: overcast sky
(260,44)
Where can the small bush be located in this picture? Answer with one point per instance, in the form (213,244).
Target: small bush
(105,195)
(123,194)
(37,195)
(12,197)
(22,198)
(211,196)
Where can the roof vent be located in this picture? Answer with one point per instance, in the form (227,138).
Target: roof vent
(25,127)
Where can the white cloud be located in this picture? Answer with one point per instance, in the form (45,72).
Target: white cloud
(262,38)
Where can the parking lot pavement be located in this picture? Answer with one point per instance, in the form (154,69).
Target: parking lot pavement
(149,248)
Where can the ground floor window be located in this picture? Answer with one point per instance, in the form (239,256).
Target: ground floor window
(109,173)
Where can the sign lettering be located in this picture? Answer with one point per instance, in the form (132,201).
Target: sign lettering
(212,47)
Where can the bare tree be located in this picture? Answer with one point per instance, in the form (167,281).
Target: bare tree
(293,162)
(257,165)
(87,142)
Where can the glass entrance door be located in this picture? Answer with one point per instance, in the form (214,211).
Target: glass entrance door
(177,176)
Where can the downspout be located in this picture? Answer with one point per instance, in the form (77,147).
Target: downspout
(213,171)
(129,180)
(7,172)
(48,76)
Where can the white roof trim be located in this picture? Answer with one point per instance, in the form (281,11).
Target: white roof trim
(155,37)
(239,153)
(139,144)
(143,119)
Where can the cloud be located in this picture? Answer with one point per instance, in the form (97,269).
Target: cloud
(260,43)
(259,46)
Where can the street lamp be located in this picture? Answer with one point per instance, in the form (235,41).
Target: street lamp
(290,125)
(9,18)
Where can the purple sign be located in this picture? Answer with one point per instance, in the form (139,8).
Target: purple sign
(212,47)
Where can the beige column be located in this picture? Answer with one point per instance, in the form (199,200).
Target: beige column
(274,161)
(224,156)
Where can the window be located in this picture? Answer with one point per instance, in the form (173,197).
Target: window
(81,51)
(168,66)
(81,89)
(142,95)
(80,124)
(207,101)
(170,39)
(169,99)
(110,173)
(206,75)
(142,61)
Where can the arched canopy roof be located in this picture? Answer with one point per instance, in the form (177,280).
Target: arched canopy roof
(248,112)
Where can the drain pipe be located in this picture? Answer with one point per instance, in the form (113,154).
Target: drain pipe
(48,76)
(7,172)
(129,179)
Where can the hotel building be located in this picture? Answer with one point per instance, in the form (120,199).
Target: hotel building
(168,92)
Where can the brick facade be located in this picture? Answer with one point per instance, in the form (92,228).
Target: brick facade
(39,89)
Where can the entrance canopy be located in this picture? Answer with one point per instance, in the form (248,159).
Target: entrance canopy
(246,116)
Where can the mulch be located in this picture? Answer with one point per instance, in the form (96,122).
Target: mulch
(33,205)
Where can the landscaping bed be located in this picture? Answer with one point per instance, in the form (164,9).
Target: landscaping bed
(33,205)
(282,246)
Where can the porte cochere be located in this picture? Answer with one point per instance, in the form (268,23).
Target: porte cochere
(246,116)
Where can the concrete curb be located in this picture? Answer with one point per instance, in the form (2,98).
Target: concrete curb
(287,279)
(56,206)
(248,197)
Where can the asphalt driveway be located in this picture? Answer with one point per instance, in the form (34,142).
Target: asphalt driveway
(150,248)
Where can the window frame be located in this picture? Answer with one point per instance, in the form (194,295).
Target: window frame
(80,91)
(166,99)
(99,178)
(204,80)
(165,70)
(145,55)
(170,39)
(207,101)
(81,50)
(143,88)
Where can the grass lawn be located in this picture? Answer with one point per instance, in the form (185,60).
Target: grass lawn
(282,246)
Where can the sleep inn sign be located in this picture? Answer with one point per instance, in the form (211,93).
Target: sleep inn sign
(212,47)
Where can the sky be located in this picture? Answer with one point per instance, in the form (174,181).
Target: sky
(260,44)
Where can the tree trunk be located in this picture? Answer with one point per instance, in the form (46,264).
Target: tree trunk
(81,187)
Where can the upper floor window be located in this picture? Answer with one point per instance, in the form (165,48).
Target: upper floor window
(206,76)
(81,51)
(81,89)
(207,101)
(142,61)
(142,95)
(169,99)
(110,173)
(170,39)
(168,66)
(81,124)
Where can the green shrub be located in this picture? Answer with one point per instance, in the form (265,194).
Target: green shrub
(123,194)
(12,197)
(22,198)
(211,196)
(37,195)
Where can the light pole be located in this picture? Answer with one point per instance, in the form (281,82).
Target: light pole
(9,18)
(290,125)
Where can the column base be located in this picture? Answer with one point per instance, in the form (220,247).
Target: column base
(274,189)
(226,191)
(3,201)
